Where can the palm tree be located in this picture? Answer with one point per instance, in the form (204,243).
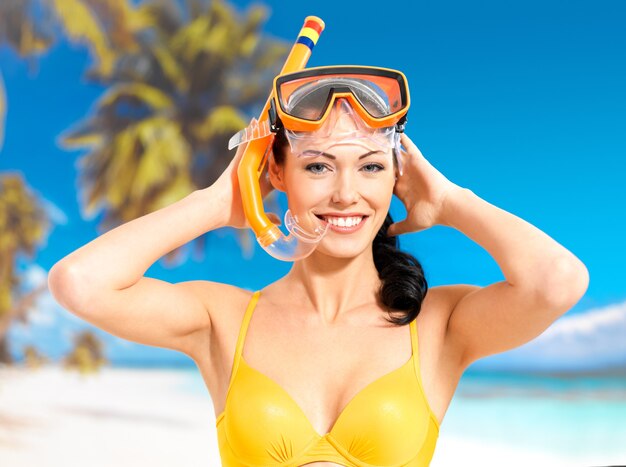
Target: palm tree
(182,77)
(33,358)
(23,226)
(87,356)
(23,222)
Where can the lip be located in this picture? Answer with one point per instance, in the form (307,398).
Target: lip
(345,230)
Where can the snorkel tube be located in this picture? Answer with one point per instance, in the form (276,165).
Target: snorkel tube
(299,243)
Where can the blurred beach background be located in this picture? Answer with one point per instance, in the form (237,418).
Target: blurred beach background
(110,109)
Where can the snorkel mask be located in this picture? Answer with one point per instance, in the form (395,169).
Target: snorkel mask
(332,132)
(301,102)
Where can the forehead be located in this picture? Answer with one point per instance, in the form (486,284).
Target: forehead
(345,152)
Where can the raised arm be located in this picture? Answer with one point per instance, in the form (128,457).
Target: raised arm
(543,280)
(103,282)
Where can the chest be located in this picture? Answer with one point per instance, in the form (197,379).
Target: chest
(325,403)
(321,368)
(325,379)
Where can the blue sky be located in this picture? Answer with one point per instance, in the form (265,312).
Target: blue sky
(523,103)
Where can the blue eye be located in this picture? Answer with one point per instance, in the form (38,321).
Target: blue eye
(373,168)
(308,167)
(377,166)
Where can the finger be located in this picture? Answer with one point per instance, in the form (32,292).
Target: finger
(406,141)
(274,218)
(234,162)
(242,147)
(398,228)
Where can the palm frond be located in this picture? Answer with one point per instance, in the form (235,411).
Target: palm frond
(81,25)
(21,31)
(144,93)
(221,120)
(161,130)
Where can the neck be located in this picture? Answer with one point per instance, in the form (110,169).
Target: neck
(330,287)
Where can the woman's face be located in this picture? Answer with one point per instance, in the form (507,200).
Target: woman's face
(354,178)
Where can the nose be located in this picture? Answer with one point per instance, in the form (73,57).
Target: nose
(345,191)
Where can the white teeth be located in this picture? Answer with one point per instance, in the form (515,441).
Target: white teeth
(344,221)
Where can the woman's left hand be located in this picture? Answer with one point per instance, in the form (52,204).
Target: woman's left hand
(422,189)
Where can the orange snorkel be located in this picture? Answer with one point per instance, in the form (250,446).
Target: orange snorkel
(255,157)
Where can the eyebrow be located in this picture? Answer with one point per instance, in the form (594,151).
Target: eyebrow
(330,156)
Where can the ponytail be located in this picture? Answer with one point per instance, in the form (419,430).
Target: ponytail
(403,286)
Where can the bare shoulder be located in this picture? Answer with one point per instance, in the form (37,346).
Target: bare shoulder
(436,311)
(223,303)
(220,298)
(441,363)
(445,297)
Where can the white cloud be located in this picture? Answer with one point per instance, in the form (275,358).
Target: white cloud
(51,329)
(34,276)
(584,341)
(55,213)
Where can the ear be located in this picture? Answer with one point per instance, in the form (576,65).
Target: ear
(276,173)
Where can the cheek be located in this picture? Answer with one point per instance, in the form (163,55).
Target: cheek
(303,189)
(303,198)
(383,190)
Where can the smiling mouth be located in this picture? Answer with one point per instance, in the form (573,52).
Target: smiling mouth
(322,217)
(339,224)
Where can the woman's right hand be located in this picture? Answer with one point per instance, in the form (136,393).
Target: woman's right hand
(228,186)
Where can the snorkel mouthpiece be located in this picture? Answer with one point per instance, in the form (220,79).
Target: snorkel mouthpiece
(299,244)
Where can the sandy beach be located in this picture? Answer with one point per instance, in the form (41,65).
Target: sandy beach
(129,417)
(121,417)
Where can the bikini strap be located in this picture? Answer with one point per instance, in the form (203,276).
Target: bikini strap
(242,335)
(418,374)
(415,348)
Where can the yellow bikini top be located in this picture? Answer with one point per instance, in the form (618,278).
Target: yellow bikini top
(388,423)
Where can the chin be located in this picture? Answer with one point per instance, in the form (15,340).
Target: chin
(342,248)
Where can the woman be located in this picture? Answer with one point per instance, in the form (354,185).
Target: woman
(330,373)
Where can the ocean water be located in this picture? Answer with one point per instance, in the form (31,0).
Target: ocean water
(569,417)
(565,416)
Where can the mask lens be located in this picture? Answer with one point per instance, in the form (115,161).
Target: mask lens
(351,130)
(308,98)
